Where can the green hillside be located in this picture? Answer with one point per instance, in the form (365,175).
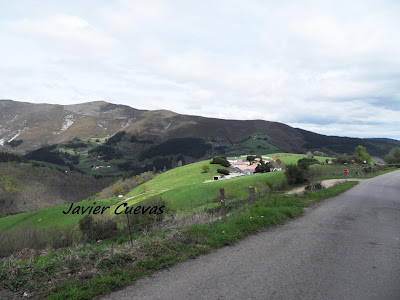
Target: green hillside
(49,216)
(182,187)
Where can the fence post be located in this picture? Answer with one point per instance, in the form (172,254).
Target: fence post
(223,207)
(251,194)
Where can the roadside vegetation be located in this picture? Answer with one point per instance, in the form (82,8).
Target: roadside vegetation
(87,269)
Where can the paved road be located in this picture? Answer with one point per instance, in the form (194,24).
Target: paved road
(348,247)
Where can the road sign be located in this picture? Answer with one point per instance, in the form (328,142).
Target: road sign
(346,171)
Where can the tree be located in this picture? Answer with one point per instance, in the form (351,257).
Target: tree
(394,156)
(264,167)
(251,158)
(294,174)
(362,156)
(304,163)
(180,163)
(118,190)
(205,168)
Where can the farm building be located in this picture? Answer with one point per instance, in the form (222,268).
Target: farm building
(248,172)
(236,170)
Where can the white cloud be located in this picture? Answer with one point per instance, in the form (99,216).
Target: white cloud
(329,66)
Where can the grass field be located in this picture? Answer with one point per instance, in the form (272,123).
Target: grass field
(50,216)
(291,158)
(184,188)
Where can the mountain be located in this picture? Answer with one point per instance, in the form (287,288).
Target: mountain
(26,126)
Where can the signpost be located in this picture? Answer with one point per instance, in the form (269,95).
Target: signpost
(346,171)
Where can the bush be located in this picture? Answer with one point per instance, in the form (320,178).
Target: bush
(264,167)
(304,163)
(394,156)
(314,186)
(220,160)
(118,190)
(205,169)
(223,171)
(98,230)
(141,222)
(295,175)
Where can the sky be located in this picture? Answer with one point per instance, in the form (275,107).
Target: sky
(332,67)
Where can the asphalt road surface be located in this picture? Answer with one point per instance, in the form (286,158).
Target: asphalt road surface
(347,247)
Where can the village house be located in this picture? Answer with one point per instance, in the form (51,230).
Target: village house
(236,170)
(248,172)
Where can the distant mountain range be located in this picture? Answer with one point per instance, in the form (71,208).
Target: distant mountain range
(26,126)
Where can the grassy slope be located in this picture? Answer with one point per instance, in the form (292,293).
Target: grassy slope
(49,216)
(187,197)
(185,190)
(183,187)
(178,177)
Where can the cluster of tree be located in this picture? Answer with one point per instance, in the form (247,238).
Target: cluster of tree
(133,139)
(360,156)
(9,157)
(194,147)
(394,156)
(24,187)
(252,158)
(106,152)
(264,167)
(116,138)
(14,143)
(50,155)
(305,162)
(220,160)
(126,166)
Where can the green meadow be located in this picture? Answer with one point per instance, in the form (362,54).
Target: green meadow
(50,216)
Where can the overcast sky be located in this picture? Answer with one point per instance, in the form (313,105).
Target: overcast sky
(332,67)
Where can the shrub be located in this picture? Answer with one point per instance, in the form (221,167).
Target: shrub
(394,156)
(118,190)
(205,169)
(314,186)
(304,163)
(295,175)
(141,222)
(98,230)
(223,171)
(263,167)
(220,160)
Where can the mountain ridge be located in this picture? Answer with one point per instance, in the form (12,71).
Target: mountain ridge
(42,124)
